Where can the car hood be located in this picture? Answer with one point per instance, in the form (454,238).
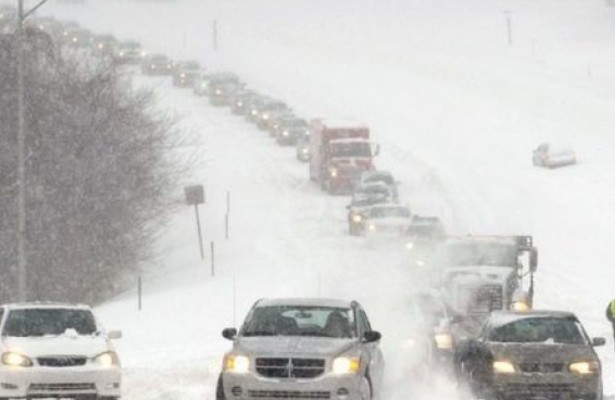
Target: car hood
(391,221)
(542,352)
(88,346)
(293,346)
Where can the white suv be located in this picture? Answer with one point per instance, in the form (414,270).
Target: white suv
(56,350)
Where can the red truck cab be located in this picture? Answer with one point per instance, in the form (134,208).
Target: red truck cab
(340,152)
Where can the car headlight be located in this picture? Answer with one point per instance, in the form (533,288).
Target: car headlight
(372,227)
(333,172)
(420,263)
(239,104)
(357,218)
(13,359)
(218,91)
(584,367)
(237,364)
(153,66)
(169,66)
(75,39)
(265,117)
(503,367)
(285,133)
(183,75)
(444,341)
(107,359)
(520,306)
(254,112)
(100,46)
(121,54)
(305,151)
(410,245)
(346,365)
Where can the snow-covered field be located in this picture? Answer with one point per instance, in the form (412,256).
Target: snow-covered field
(457,111)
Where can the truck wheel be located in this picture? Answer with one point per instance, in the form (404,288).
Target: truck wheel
(220,390)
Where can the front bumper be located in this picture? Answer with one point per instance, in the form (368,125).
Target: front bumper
(564,386)
(43,382)
(327,386)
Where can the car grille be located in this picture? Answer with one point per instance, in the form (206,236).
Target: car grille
(61,361)
(545,368)
(290,367)
(62,387)
(538,389)
(288,394)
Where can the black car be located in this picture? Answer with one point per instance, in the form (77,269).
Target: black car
(241,99)
(290,130)
(268,110)
(531,355)
(185,73)
(104,45)
(203,83)
(302,148)
(221,94)
(128,52)
(358,208)
(78,38)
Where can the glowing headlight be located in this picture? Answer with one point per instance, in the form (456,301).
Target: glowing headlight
(584,368)
(265,117)
(121,54)
(420,263)
(218,91)
(143,53)
(357,218)
(237,364)
(182,75)
(410,245)
(100,46)
(333,172)
(305,151)
(169,66)
(153,66)
(285,133)
(254,112)
(372,227)
(75,39)
(520,306)
(16,360)
(239,104)
(503,367)
(444,341)
(346,365)
(107,360)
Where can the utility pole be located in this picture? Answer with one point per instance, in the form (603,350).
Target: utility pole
(509,27)
(22,261)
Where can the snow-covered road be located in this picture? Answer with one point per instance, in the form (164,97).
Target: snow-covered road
(457,112)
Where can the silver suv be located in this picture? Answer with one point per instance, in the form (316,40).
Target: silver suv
(302,349)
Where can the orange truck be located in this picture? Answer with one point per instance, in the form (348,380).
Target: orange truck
(340,151)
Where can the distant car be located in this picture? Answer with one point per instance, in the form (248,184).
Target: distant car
(203,82)
(8,16)
(358,208)
(276,118)
(221,94)
(385,177)
(156,64)
(377,188)
(291,130)
(185,73)
(303,349)
(47,25)
(302,148)
(530,355)
(254,106)
(241,99)
(78,38)
(388,219)
(551,155)
(128,52)
(104,45)
(56,350)
(267,110)
(69,26)
(424,229)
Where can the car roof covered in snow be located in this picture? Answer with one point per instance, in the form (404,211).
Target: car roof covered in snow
(499,318)
(342,123)
(45,304)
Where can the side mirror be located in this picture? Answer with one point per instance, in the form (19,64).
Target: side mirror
(371,336)
(229,333)
(114,334)
(598,341)
(533,259)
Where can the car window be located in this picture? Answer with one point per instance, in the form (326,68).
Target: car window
(538,330)
(300,321)
(48,321)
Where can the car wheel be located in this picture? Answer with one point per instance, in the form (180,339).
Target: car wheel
(220,390)
(365,389)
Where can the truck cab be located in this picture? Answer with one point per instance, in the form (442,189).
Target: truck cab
(340,152)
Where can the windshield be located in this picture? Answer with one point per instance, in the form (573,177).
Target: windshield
(471,254)
(350,149)
(300,321)
(388,179)
(48,321)
(538,330)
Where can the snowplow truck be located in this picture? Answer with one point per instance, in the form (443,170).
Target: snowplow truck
(481,274)
(340,151)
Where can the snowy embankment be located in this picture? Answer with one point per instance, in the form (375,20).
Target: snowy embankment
(456,110)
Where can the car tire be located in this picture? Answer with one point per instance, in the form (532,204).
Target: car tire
(365,389)
(220,390)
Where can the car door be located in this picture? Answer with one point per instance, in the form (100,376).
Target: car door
(372,351)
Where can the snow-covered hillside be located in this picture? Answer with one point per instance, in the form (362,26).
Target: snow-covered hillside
(457,111)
